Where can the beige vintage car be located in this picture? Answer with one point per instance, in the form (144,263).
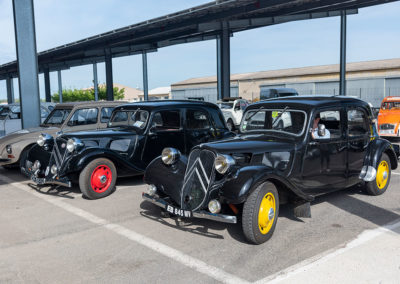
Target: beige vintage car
(66,117)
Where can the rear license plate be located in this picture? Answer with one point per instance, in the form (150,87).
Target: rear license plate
(38,180)
(178,212)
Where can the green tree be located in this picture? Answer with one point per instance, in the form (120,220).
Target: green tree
(76,95)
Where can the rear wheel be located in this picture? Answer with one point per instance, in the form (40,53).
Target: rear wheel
(382,179)
(98,179)
(260,213)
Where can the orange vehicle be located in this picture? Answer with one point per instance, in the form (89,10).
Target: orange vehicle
(389,117)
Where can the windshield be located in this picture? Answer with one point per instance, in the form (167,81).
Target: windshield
(278,120)
(225,105)
(57,116)
(390,105)
(134,118)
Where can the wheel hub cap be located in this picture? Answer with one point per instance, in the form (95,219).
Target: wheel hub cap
(266,213)
(101,179)
(382,174)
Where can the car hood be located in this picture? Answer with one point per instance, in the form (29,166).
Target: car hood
(93,134)
(259,143)
(25,134)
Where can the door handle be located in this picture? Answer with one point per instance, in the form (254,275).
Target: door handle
(313,143)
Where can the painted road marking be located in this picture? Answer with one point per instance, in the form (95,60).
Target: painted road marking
(186,260)
(395,173)
(307,264)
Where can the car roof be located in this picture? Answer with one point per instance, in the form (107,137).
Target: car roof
(308,102)
(167,103)
(391,99)
(90,104)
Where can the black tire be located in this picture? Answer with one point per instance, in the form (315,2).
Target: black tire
(379,185)
(90,181)
(231,125)
(23,157)
(250,217)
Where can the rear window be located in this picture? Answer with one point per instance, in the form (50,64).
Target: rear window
(390,105)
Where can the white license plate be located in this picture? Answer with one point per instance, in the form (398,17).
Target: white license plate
(386,132)
(178,212)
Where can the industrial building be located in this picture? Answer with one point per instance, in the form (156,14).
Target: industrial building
(369,80)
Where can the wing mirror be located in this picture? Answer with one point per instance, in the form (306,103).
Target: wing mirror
(321,130)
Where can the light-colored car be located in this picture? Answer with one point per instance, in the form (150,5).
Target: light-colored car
(66,117)
(10,116)
(232,109)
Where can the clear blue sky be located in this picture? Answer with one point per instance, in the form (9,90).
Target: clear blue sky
(372,34)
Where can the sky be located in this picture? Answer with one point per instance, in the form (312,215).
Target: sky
(373,34)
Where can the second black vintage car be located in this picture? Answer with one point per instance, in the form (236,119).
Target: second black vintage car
(137,133)
(290,150)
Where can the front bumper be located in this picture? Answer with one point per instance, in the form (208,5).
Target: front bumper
(195,214)
(46,180)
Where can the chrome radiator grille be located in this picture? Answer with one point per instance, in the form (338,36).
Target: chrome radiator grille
(59,152)
(387,126)
(198,177)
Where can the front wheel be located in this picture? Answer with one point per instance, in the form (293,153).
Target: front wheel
(382,179)
(231,125)
(98,179)
(260,213)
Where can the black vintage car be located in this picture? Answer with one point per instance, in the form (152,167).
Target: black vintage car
(289,150)
(137,133)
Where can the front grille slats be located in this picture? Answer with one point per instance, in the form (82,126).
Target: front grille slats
(198,178)
(59,153)
(387,126)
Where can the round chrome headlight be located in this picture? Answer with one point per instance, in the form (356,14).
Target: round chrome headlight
(9,149)
(41,140)
(53,169)
(223,163)
(74,144)
(151,190)
(214,206)
(170,155)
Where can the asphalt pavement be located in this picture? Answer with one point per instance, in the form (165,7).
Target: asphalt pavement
(54,235)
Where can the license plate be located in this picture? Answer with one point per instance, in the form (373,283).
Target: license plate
(386,132)
(38,180)
(178,212)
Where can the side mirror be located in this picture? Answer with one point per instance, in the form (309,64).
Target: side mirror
(321,130)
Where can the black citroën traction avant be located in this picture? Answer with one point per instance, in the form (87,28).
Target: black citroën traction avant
(289,150)
(136,135)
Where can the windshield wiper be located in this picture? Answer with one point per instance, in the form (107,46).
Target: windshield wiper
(257,111)
(279,116)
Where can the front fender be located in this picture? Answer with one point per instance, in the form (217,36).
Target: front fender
(241,184)
(167,178)
(375,150)
(80,160)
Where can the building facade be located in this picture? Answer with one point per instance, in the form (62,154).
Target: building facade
(368,80)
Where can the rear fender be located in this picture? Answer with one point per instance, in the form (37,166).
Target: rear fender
(375,150)
(241,184)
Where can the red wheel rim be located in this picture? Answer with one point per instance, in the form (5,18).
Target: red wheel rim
(101,178)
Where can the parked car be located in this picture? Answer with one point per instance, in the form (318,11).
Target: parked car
(273,93)
(66,117)
(389,117)
(137,134)
(232,109)
(10,117)
(329,145)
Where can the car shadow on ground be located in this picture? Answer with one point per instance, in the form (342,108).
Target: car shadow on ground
(346,201)
(56,190)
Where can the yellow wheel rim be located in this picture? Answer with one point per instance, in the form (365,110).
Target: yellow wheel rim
(382,174)
(266,213)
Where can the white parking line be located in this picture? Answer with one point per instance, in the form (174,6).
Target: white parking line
(186,260)
(307,264)
(395,173)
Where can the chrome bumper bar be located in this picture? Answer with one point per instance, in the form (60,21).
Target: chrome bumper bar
(43,181)
(199,214)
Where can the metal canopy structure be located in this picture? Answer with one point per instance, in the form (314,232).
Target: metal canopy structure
(199,23)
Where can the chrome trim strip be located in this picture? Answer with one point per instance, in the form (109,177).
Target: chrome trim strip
(200,214)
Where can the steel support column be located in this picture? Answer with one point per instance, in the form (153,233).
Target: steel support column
(342,82)
(47,85)
(109,75)
(223,63)
(95,82)
(10,90)
(25,38)
(145,78)
(60,86)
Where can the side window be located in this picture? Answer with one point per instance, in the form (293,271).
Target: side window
(197,119)
(43,112)
(331,120)
(106,114)
(84,116)
(218,119)
(166,120)
(357,122)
